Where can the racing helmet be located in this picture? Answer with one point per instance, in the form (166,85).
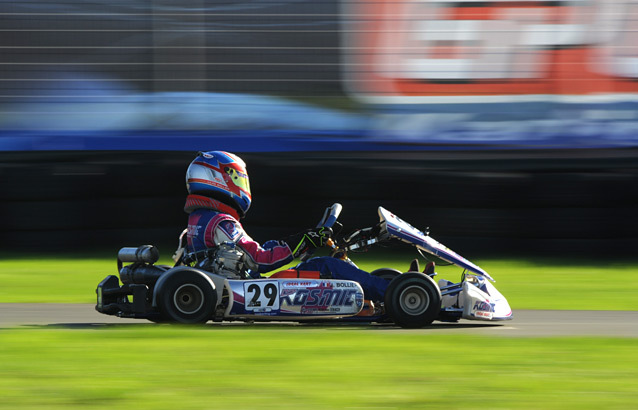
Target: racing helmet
(222,176)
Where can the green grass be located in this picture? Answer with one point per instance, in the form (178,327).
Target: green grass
(176,367)
(526,283)
(52,280)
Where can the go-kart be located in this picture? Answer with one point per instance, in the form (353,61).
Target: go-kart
(196,291)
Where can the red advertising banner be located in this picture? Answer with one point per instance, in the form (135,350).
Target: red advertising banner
(424,50)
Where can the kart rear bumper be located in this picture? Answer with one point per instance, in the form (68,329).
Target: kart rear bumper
(115,300)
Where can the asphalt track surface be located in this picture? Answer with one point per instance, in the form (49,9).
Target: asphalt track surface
(541,323)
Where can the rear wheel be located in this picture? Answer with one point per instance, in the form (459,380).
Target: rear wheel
(413,300)
(187,297)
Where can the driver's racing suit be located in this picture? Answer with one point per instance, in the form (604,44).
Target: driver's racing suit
(209,228)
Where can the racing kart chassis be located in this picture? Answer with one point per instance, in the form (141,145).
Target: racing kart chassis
(190,294)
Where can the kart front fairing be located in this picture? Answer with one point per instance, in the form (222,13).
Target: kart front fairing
(474,298)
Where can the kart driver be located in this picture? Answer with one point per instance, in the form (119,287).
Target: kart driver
(219,195)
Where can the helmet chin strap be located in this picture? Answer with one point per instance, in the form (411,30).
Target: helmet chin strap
(194,202)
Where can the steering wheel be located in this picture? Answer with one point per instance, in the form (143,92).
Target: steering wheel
(328,220)
(330,216)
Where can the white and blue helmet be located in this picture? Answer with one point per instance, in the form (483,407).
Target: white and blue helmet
(220,175)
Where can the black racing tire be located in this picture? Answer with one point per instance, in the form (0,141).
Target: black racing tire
(413,300)
(386,273)
(186,297)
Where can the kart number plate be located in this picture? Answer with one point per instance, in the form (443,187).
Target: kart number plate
(261,296)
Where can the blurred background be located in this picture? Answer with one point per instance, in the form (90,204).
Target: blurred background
(504,126)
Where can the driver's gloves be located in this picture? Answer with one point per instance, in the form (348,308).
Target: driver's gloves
(309,239)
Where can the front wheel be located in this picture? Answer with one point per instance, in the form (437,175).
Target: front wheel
(413,300)
(187,297)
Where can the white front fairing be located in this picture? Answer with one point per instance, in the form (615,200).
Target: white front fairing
(402,230)
(473,298)
(480,300)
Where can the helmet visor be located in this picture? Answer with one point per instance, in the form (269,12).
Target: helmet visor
(239,179)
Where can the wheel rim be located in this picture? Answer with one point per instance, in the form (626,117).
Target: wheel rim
(414,300)
(188,299)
